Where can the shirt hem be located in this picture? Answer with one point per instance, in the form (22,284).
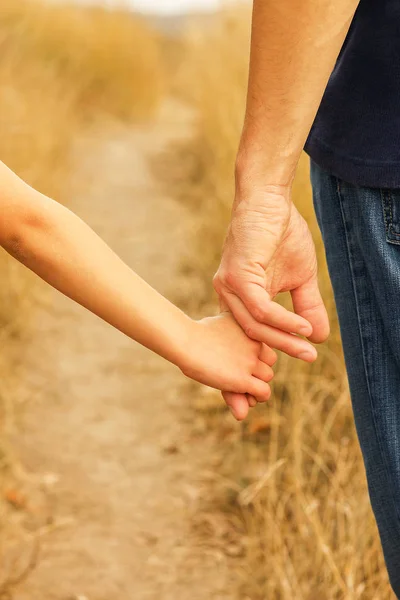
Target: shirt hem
(365,175)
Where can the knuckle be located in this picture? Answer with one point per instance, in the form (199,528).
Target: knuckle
(242,386)
(230,278)
(224,278)
(255,362)
(258,313)
(250,331)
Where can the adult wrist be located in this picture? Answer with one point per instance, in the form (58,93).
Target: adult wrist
(258,182)
(258,169)
(263,160)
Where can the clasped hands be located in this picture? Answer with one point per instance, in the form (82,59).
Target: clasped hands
(268,250)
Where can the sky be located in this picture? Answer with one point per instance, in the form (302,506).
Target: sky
(173,6)
(163,7)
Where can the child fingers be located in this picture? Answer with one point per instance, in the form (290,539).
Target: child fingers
(259,389)
(238,404)
(268,355)
(251,401)
(255,401)
(263,371)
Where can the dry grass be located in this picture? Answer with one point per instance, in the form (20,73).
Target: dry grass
(61,68)
(109,59)
(294,490)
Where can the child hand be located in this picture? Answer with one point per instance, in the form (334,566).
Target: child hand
(223,357)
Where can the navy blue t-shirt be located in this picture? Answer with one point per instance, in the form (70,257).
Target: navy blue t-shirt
(356,134)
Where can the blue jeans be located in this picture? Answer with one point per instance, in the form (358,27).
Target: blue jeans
(361,232)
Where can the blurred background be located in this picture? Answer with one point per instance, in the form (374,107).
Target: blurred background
(119,479)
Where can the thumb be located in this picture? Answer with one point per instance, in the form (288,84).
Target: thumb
(308,303)
(238,404)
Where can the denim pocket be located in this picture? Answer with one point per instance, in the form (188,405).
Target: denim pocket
(391,214)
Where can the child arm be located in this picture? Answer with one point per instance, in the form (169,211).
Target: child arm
(59,247)
(65,252)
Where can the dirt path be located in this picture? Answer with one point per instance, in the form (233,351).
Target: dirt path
(106,420)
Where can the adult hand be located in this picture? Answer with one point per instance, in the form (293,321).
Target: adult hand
(269,247)
(268,250)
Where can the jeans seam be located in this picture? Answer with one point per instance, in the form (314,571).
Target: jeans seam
(384,462)
(387,206)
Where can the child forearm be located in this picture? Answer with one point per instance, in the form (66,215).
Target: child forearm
(60,248)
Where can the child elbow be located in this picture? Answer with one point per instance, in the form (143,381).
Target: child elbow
(21,232)
(16,246)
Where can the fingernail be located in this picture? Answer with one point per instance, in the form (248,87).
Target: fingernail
(307,355)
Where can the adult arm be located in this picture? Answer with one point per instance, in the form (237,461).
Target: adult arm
(294,47)
(268,248)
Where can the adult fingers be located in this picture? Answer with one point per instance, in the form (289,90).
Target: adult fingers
(307,302)
(263,310)
(238,404)
(281,340)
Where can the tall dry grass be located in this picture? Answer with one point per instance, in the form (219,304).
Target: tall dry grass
(294,488)
(61,69)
